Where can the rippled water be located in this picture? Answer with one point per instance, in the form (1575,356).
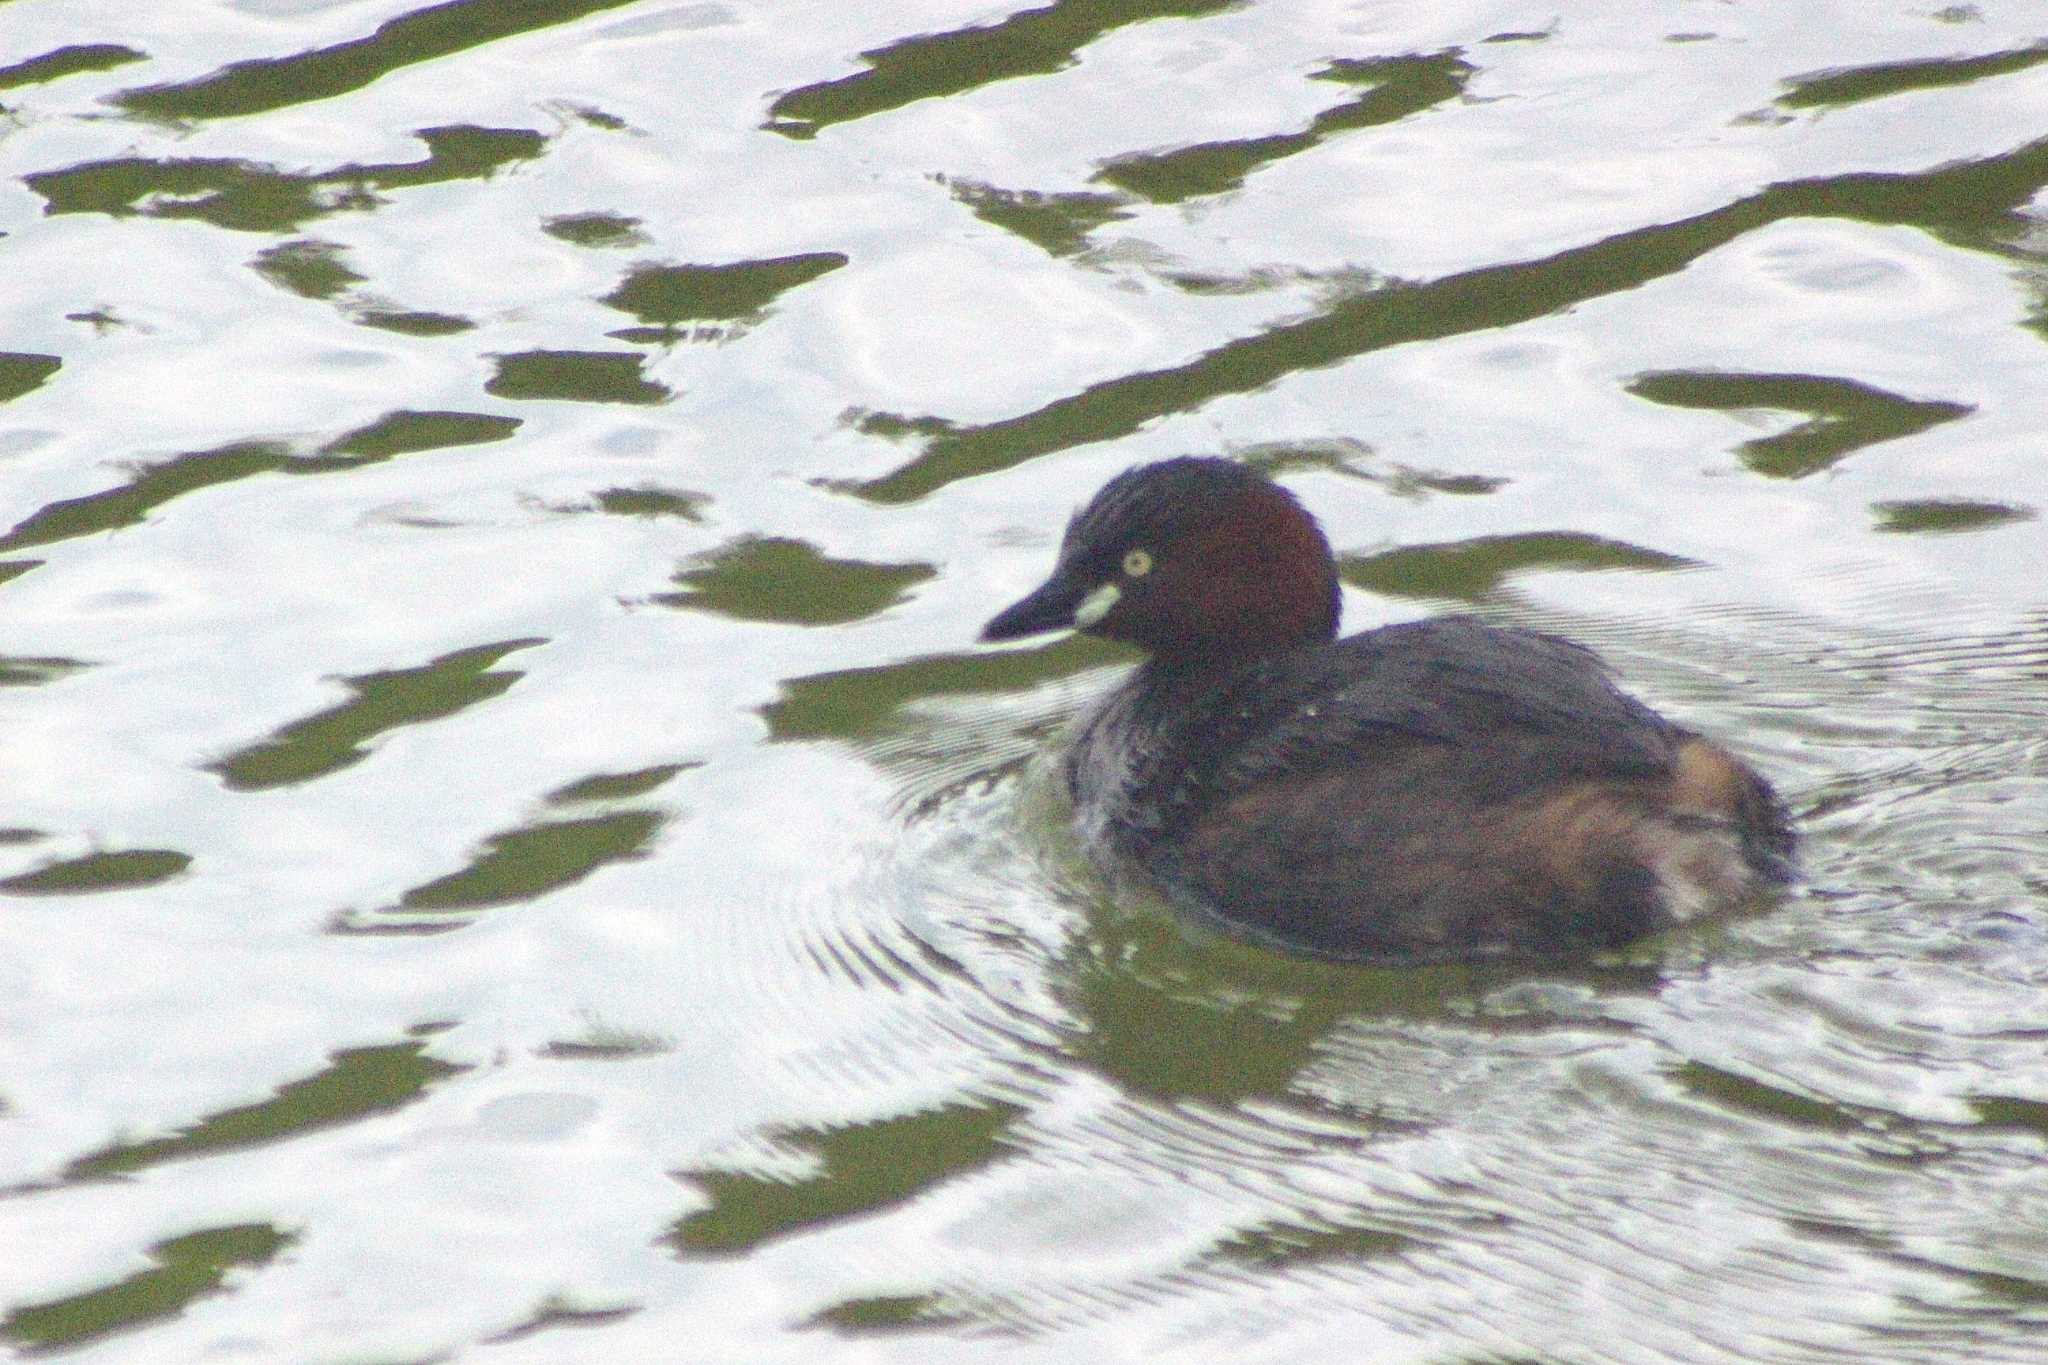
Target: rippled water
(509,852)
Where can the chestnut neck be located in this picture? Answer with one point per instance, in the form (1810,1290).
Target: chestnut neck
(1257,580)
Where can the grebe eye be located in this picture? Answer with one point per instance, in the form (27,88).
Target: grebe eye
(1138,563)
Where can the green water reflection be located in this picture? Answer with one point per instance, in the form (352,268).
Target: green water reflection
(1970,204)
(775,579)
(67,61)
(395,433)
(862,1169)
(1396,87)
(357,1083)
(187,1268)
(338,737)
(1030,42)
(1845,416)
(248,196)
(424,35)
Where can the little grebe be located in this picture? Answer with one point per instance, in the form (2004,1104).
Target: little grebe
(1438,790)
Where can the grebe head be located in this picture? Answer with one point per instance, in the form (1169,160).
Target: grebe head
(1191,559)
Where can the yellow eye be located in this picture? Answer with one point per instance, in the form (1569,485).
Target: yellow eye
(1137,563)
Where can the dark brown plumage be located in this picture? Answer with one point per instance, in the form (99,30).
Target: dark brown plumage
(1436,790)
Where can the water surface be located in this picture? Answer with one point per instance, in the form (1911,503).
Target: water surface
(510,852)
